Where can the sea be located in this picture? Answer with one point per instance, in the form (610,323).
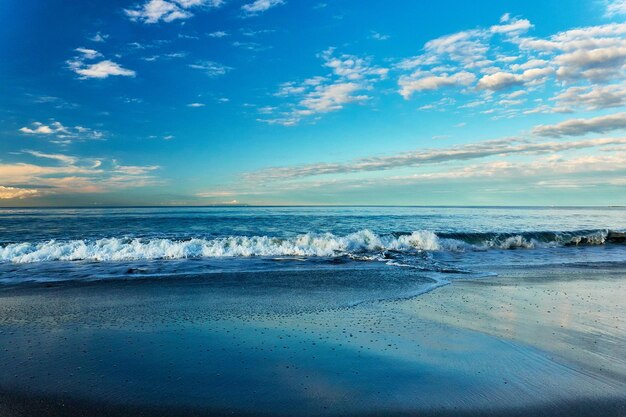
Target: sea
(432,246)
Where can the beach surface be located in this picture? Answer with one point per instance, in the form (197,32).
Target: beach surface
(541,341)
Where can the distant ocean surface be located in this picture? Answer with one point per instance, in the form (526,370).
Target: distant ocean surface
(438,243)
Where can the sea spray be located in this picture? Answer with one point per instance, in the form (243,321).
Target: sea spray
(360,243)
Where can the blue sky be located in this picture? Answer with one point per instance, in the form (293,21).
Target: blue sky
(198,102)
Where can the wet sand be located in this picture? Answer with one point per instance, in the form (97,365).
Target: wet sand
(538,342)
(577,313)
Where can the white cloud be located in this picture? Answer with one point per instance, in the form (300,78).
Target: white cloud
(420,81)
(579,127)
(88,53)
(595,65)
(331,97)
(480,61)
(379,36)
(217,34)
(194,3)
(509,102)
(165,57)
(466,47)
(259,6)
(323,98)
(195,105)
(421,157)
(7,193)
(254,33)
(615,7)
(154,11)
(447,61)
(440,105)
(515,94)
(572,168)
(133,169)
(593,97)
(351,67)
(102,69)
(596,54)
(251,46)
(211,68)
(512,27)
(212,194)
(99,37)
(41,129)
(502,80)
(57,130)
(532,63)
(589,37)
(266,109)
(63,159)
(292,88)
(349,79)
(60,173)
(542,168)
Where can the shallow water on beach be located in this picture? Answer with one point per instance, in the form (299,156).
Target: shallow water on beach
(198,347)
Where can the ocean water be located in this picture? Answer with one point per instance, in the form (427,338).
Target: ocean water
(433,245)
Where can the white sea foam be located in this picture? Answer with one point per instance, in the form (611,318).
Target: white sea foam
(565,239)
(307,245)
(517,241)
(361,244)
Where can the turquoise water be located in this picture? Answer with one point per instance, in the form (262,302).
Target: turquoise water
(437,242)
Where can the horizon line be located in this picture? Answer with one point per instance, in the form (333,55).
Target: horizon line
(314,205)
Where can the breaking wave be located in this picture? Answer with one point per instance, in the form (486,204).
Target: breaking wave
(306,245)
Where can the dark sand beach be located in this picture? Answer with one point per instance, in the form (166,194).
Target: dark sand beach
(533,342)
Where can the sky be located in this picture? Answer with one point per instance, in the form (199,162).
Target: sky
(297,102)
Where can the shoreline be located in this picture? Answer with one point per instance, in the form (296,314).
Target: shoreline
(485,346)
(546,308)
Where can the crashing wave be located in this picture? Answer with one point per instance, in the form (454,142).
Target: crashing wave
(123,249)
(356,244)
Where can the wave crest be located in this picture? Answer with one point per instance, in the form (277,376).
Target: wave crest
(124,249)
(305,245)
